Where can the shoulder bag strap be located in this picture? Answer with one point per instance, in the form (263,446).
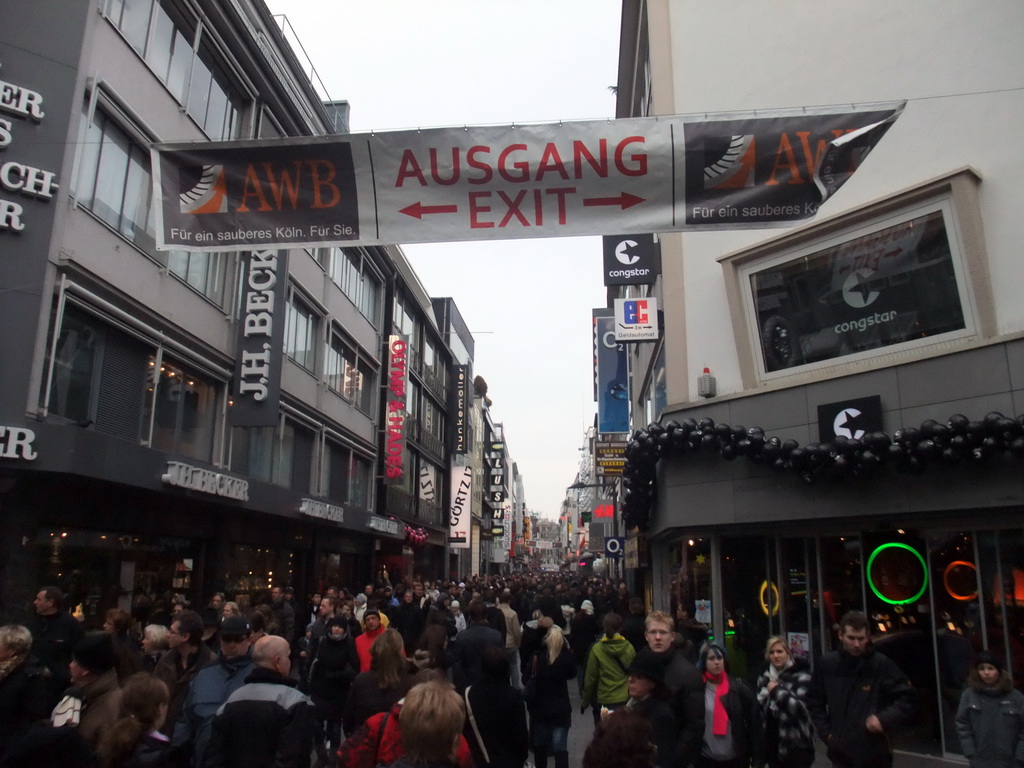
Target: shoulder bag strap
(476,731)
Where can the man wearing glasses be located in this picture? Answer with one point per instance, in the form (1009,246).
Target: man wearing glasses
(187,655)
(211,688)
(683,681)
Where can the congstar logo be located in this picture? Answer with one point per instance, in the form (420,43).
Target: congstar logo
(625,252)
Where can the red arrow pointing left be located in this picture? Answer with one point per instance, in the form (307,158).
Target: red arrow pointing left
(625,200)
(418,210)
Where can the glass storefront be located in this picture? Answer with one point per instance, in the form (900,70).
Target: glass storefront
(934,598)
(100,570)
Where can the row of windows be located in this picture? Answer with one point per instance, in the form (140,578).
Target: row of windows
(352,271)
(170,39)
(107,379)
(113,182)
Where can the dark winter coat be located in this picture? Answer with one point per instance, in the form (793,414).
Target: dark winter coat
(151,752)
(605,679)
(846,689)
(207,692)
(585,630)
(745,721)
(101,706)
(686,696)
(24,699)
(633,628)
(501,719)
(267,722)
(467,651)
(789,732)
(53,638)
(663,725)
(990,723)
(551,705)
(366,698)
(410,621)
(331,674)
(178,678)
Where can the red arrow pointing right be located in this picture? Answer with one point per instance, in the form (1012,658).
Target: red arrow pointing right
(625,200)
(418,210)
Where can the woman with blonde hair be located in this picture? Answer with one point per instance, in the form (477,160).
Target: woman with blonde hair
(155,644)
(135,739)
(385,683)
(546,679)
(24,698)
(781,692)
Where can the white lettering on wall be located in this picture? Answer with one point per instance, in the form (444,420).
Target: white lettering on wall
(16,443)
(205,481)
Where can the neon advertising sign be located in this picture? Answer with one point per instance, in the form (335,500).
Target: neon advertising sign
(897,547)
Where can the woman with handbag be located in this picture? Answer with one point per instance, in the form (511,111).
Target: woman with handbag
(496,716)
(546,690)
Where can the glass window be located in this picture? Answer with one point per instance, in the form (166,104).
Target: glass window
(360,476)
(841,582)
(183,408)
(114,183)
(301,333)
(351,271)
(366,387)
(164,35)
(337,365)
(336,471)
(78,359)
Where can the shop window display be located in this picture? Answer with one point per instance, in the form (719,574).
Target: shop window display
(100,570)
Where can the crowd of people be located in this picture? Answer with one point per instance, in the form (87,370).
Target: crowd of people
(475,673)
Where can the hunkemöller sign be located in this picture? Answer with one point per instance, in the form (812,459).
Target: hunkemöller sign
(656,174)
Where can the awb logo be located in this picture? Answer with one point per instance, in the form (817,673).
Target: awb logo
(208,195)
(635,312)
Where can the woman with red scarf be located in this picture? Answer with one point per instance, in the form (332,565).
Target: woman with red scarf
(733,737)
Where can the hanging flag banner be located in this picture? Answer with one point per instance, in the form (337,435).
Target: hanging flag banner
(611,376)
(652,174)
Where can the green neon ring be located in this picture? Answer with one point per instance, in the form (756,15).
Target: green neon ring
(924,570)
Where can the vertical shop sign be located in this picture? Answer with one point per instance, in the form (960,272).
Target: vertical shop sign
(460,409)
(394,428)
(459,514)
(260,340)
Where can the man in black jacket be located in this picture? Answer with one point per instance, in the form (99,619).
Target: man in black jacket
(857,698)
(54,634)
(267,722)
(683,681)
(469,645)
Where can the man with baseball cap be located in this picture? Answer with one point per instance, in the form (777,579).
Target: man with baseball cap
(211,687)
(93,701)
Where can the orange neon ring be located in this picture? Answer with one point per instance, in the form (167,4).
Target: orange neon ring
(764,598)
(945,580)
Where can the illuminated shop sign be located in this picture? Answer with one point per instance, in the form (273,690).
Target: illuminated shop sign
(892,286)
(205,481)
(394,428)
(16,442)
(322,510)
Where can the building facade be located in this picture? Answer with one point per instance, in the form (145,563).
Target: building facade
(861,448)
(146,458)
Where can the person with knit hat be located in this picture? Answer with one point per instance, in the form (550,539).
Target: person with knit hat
(733,737)
(648,695)
(92,704)
(990,719)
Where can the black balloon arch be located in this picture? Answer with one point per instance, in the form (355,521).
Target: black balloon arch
(910,450)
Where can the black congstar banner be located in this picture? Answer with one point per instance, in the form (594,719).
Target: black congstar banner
(631,260)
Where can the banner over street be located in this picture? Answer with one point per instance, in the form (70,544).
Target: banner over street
(658,174)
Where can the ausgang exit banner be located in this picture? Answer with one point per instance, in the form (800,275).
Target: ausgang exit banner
(501,182)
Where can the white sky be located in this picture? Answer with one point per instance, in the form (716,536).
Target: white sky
(430,63)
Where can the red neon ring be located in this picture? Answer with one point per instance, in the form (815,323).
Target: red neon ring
(945,580)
